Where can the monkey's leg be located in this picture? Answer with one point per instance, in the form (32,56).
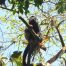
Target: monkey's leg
(29,57)
(29,54)
(25,54)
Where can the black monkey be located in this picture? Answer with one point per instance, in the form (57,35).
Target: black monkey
(32,41)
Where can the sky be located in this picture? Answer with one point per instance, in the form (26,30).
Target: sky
(46,55)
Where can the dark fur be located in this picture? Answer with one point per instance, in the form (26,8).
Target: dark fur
(34,23)
(29,50)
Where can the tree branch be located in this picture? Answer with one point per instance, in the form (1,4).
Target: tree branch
(60,23)
(54,57)
(8,9)
(61,39)
(60,52)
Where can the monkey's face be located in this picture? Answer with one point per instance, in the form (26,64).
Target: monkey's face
(32,20)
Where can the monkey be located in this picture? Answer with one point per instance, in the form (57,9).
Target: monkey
(30,38)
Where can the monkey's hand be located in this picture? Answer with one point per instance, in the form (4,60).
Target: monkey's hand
(41,45)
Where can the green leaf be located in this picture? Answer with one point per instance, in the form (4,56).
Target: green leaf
(16,54)
(20,8)
(65,6)
(20,1)
(14,11)
(38,2)
(61,9)
(26,6)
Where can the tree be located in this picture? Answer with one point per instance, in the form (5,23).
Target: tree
(52,22)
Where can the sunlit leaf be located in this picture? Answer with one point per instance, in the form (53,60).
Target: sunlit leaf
(16,54)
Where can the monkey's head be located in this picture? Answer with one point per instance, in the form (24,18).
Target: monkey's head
(34,23)
(32,20)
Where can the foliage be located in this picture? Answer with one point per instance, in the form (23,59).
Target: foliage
(50,14)
(61,6)
(16,57)
(23,5)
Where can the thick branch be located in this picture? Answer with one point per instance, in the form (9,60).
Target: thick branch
(61,39)
(63,50)
(62,43)
(54,57)
(60,23)
(59,53)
